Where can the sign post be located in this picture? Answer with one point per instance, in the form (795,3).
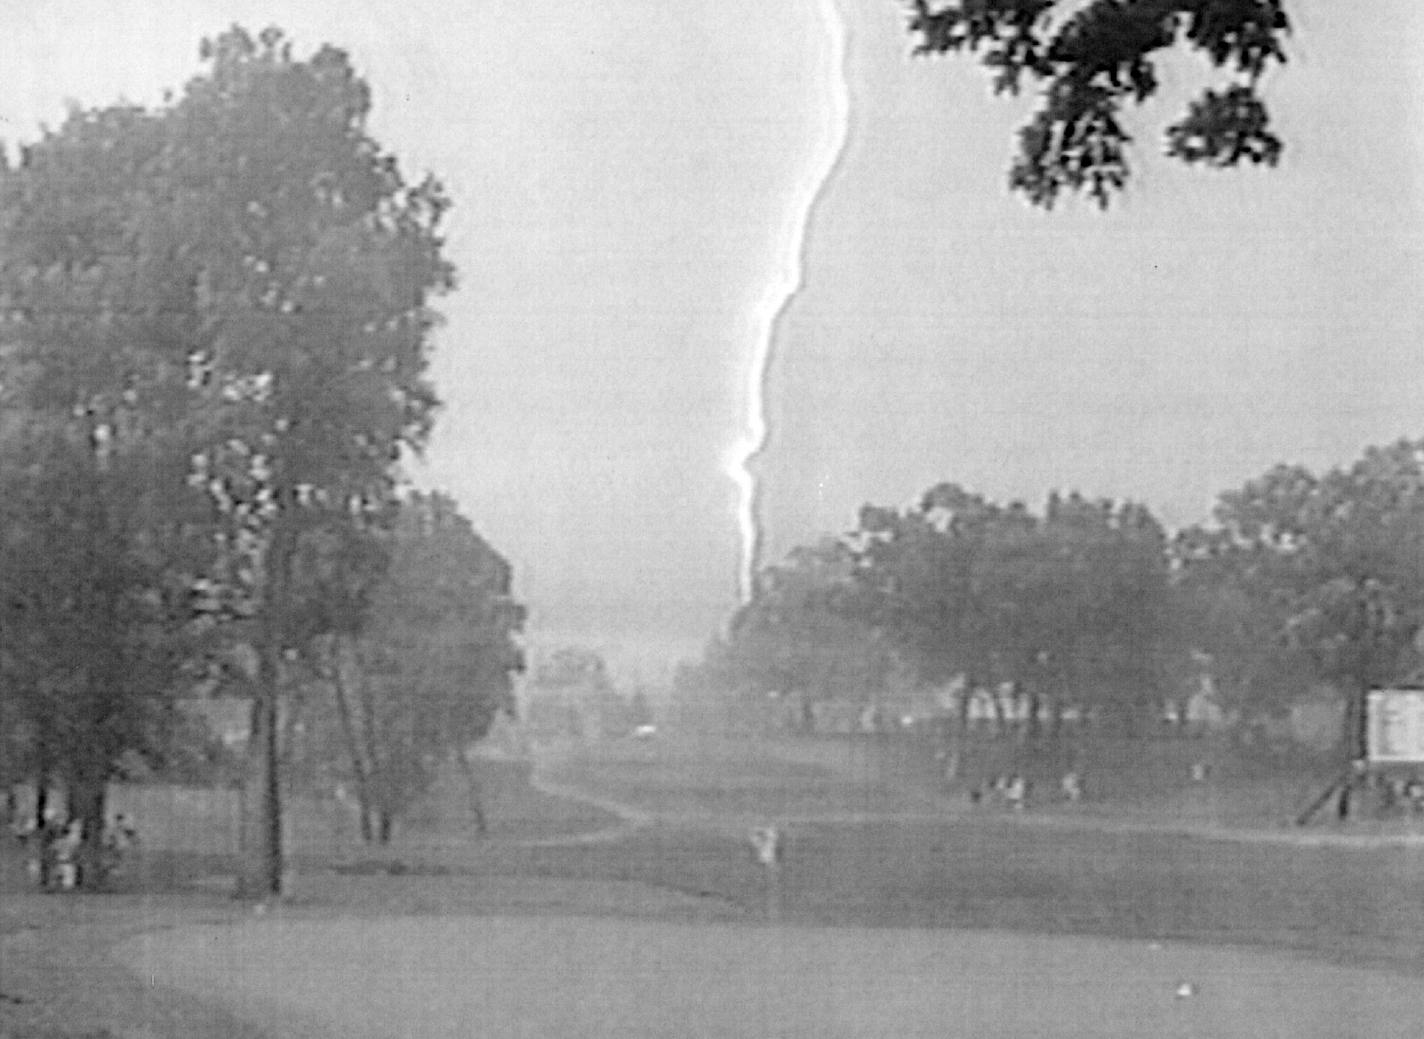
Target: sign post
(1394,727)
(1386,730)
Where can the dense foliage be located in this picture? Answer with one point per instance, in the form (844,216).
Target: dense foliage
(1301,581)
(1089,60)
(215,324)
(426,675)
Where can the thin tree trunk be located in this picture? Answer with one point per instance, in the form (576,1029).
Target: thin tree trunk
(1356,744)
(41,832)
(359,766)
(268,859)
(379,799)
(1032,702)
(87,797)
(1001,721)
(262,868)
(270,845)
(477,805)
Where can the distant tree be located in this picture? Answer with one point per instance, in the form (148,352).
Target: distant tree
(1112,637)
(1071,607)
(572,693)
(799,636)
(1332,567)
(573,667)
(432,666)
(1090,59)
(640,708)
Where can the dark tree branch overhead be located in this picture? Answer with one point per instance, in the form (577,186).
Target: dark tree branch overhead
(1090,59)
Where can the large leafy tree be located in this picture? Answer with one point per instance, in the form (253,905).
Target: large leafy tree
(245,265)
(431,668)
(312,263)
(1072,606)
(917,580)
(1330,568)
(799,635)
(100,543)
(1090,60)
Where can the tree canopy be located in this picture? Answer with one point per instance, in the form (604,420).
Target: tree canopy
(1327,570)
(1300,582)
(103,535)
(215,322)
(426,675)
(1091,60)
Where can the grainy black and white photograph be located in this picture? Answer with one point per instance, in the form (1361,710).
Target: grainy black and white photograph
(849,519)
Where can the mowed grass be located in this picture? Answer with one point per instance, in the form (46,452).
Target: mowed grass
(741,780)
(1089,869)
(945,867)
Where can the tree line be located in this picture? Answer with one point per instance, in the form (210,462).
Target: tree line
(1093,607)
(215,326)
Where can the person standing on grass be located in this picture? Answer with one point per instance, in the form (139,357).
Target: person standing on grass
(1016,793)
(66,851)
(119,839)
(31,840)
(47,841)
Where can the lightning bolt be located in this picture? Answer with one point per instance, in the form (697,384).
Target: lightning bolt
(785,280)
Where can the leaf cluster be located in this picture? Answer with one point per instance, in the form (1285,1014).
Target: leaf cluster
(1089,60)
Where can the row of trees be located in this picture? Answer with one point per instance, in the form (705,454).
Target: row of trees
(215,322)
(1301,579)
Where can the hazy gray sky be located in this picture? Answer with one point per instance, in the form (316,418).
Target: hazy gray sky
(620,172)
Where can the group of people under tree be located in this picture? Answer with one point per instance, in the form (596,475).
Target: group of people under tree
(52,843)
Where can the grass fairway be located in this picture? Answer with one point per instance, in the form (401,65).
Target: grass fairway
(1346,898)
(898,913)
(586,978)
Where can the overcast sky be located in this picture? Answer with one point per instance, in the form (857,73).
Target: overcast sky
(621,173)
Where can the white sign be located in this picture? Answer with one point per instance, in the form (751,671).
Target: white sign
(1394,720)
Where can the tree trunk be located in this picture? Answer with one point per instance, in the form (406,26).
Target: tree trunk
(263,858)
(1356,745)
(87,797)
(41,800)
(359,766)
(1032,703)
(1001,720)
(41,834)
(477,805)
(377,787)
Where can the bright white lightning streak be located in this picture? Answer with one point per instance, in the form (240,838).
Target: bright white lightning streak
(784,282)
